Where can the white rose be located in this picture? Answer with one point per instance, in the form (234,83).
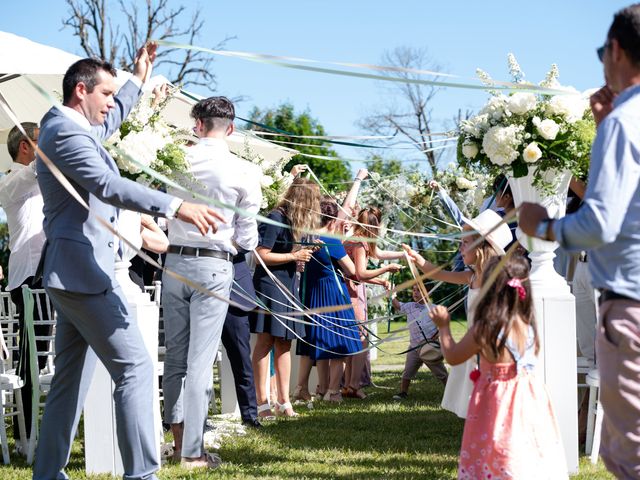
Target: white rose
(548,129)
(522,102)
(532,153)
(470,150)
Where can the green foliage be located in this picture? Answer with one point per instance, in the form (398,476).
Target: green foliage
(385,167)
(285,118)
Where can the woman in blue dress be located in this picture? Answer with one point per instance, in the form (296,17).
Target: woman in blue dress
(333,335)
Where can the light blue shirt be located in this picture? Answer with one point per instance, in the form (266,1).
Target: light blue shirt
(608,223)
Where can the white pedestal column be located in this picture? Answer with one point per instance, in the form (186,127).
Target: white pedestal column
(556,316)
(228,387)
(102,454)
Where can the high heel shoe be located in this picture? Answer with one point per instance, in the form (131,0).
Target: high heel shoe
(301,393)
(265,413)
(333,396)
(283,408)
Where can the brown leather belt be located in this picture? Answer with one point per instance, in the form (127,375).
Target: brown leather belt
(199,252)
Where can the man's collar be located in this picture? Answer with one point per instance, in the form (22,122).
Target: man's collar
(626,94)
(215,142)
(76,117)
(15,166)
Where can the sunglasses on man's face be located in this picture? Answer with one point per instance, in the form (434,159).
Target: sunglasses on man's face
(600,51)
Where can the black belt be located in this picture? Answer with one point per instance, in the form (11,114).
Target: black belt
(199,252)
(606,295)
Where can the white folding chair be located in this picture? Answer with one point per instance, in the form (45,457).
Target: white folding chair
(43,319)
(10,382)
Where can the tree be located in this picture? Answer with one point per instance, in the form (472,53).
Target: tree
(284,118)
(92,22)
(407,112)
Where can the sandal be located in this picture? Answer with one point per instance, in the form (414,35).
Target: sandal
(351,392)
(265,413)
(211,461)
(333,396)
(301,393)
(281,410)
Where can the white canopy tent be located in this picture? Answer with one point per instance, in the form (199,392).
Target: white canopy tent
(46,66)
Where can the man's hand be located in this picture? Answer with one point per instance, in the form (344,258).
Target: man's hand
(159,93)
(143,63)
(433,185)
(602,103)
(529,217)
(200,215)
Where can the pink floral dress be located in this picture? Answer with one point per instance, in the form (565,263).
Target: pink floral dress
(511,430)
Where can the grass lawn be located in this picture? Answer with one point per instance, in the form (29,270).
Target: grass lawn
(374,438)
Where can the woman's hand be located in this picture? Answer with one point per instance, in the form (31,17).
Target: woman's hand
(302,255)
(433,185)
(362,174)
(440,316)
(418,259)
(159,93)
(298,169)
(393,267)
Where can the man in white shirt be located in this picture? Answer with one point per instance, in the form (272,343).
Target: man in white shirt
(193,320)
(22,202)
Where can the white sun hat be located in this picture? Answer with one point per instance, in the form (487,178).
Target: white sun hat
(485,224)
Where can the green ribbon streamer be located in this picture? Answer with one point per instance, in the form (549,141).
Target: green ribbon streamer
(331,71)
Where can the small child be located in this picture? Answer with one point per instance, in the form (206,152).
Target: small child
(511,430)
(421,330)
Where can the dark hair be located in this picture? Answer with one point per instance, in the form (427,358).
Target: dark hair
(501,306)
(626,30)
(501,185)
(328,209)
(15,137)
(214,112)
(85,71)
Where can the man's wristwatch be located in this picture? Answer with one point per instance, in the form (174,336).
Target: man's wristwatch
(543,228)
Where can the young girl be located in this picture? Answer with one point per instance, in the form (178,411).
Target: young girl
(475,255)
(510,431)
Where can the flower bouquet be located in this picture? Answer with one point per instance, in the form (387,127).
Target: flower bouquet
(274,181)
(527,133)
(146,137)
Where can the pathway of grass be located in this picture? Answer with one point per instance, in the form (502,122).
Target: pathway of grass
(374,438)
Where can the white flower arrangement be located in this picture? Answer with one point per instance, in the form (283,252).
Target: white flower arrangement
(512,134)
(147,138)
(274,180)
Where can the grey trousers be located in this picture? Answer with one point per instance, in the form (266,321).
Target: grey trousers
(586,320)
(102,322)
(193,324)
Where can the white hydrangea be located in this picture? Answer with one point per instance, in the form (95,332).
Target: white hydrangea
(266,181)
(142,147)
(495,107)
(521,102)
(501,144)
(532,153)
(548,129)
(466,184)
(470,150)
(475,126)
(571,106)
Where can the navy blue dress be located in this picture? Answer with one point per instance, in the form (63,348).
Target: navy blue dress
(322,286)
(279,240)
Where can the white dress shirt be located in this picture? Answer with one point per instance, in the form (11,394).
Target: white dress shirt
(219,174)
(21,200)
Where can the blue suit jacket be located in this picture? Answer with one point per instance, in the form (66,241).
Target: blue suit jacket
(79,253)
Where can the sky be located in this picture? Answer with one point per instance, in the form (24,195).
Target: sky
(460,36)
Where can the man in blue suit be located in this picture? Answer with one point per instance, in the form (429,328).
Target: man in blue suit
(78,263)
